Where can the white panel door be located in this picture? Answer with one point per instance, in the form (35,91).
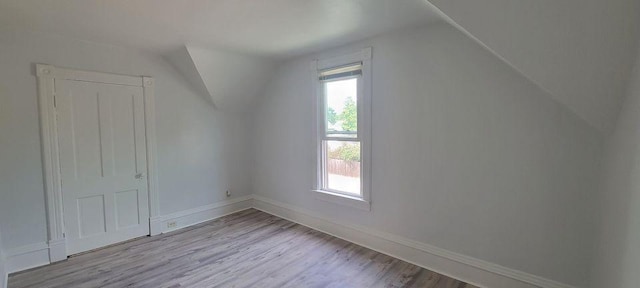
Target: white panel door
(101,135)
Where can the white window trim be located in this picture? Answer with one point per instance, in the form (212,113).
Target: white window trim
(364,129)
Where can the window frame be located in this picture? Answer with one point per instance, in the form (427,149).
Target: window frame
(362,201)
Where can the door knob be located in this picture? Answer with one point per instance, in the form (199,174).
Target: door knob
(140,175)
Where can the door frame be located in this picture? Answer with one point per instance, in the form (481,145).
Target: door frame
(46,76)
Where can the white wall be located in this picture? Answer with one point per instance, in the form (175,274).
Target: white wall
(618,253)
(202,152)
(468,155)
(578,50)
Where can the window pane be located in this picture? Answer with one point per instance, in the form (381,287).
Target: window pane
(342,168)
(341,113)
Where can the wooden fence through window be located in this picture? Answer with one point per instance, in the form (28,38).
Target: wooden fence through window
(344,168)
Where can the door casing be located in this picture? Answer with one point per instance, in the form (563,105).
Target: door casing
(46,77)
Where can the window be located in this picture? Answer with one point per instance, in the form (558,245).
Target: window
(343,129)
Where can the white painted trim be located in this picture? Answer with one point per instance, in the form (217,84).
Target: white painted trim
(342,199)
(27,257)
(46,75)
(87,76)
(201,214)
(17,251)
(51,167)
(366,124)
(155,225)
(4,276)
(471,270)
(152,166)
(39,254)
(57,250)
(364,131)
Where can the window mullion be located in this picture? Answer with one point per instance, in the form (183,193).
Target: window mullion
(327,138)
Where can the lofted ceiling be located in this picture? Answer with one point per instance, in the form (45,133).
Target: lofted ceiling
(225,48)
(274,28)
(580,51)
(232,80)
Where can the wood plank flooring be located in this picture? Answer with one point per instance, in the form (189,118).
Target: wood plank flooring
(246,249)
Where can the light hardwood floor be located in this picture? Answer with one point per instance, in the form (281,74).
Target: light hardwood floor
(246,249)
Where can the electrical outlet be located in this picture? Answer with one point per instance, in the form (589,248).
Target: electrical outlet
(228,193)
(172,224)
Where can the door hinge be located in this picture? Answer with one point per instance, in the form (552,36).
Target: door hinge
(54,101)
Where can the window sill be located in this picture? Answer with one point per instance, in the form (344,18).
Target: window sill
(342,199)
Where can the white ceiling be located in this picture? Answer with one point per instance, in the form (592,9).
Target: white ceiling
(580,51)
(274,28)
(582,63)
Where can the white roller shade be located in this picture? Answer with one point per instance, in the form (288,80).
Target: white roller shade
(340,72)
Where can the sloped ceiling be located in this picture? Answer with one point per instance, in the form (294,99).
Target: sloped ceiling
(181,60)
(232,80)
(580,51)
(274,28)
(228,42)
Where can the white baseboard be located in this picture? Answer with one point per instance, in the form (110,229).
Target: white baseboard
(4,276)
(455,265)
(26,257)
(201,214)
(57,250)
(39,254)
(468,269)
